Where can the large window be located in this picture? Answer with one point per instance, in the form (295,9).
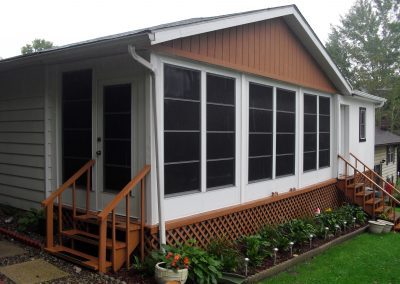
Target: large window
(260,132)
(324,132)
(285,132)
(183,130)
(182,139)
(316,148)
(362,124)
(310,133)
(220,131)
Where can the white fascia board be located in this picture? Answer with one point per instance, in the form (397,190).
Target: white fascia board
(365,96)
(167,34)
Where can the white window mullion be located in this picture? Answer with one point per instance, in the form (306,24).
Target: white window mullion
(203,131)
(274,133)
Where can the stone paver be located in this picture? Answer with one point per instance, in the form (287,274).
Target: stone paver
(9,249)
(30,272)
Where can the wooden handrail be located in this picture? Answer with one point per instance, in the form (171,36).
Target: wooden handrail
(68,183)
(370,180)
(374,173)
(123,193)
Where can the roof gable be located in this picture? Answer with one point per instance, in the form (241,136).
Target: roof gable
(267,48)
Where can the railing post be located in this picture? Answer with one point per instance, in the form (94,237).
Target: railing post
(60,219)
(49,225)
(142,219)
(127,232)
(102,245)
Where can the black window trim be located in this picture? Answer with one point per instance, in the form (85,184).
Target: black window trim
(362,111)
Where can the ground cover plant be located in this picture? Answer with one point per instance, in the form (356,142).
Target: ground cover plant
(367,258)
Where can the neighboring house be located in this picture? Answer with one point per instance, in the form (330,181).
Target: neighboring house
(386,154)
(234,108)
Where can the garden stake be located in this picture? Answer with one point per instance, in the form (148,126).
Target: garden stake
(291,248)
(246,263)
(326,232)
(275,251)
(311,236)
(354,222)
(344,225)
(337,228)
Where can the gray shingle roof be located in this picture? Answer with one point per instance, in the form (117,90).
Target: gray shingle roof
(383,137)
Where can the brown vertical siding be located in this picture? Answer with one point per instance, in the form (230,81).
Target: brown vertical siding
(267,48)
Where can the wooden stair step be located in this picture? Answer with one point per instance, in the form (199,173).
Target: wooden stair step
(120,221)
(91,238)
(364,193)
(380,209)
(78,257)
(373,201)
(355,185)
(397,227)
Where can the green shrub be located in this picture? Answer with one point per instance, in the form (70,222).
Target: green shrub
(256,248)
(226,252)
(297,230)
(361,216)
(32,220)
(274,237)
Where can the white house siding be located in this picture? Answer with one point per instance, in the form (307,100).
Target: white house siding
(390,169)
(363,150)
(22,137)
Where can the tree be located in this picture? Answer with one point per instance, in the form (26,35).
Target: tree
(37,45)
(366,48)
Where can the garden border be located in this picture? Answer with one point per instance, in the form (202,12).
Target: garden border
(302,257)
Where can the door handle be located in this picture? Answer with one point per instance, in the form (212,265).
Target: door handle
(98,152)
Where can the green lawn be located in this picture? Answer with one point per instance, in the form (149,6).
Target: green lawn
(365,259)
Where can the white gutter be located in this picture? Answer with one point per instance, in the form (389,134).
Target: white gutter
(160,194)
(379,101)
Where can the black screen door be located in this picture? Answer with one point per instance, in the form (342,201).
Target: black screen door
(117,136)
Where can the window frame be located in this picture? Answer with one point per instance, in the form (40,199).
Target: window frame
(204,70)
(390,150)
(362,125)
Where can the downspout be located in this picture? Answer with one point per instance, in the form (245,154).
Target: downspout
(160,195)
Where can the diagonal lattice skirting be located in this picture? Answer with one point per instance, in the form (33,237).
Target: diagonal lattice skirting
(248,218)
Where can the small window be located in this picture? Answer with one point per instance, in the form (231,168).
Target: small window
(362,123)
(389,154)
(310,133)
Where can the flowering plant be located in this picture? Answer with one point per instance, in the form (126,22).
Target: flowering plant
(176,261)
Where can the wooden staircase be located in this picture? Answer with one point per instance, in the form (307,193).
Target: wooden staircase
(366,188)
(97,240)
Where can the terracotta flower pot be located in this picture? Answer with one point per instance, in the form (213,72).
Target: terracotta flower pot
(164,275)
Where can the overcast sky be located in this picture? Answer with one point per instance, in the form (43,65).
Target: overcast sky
(69,21)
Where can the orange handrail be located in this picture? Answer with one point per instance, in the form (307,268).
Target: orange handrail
(68,183)
(375,173)
(110,208)
(370,180)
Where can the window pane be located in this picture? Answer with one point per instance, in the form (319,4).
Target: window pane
(260,96)
(117,152)
(77,114)
(181,115)
(77,144)
(260,144)
(324,141)
(310,104)
(324,158)
(115,178)
(181,83)
(260,168)
(70,166)
(286,100)
(284,165)
(220,118)
(310,142)
(285,143)
(123,103)
(260,120)
(220,173)
(77,85)
(324,105)
(182,177)
(310,123)
(220,89)
(220,145)
(324,123)
(117,126)
(181,146)
(310,161)
(285,122)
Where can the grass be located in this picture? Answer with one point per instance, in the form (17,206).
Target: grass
(365,259)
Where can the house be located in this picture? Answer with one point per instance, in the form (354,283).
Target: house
(386,154)
(239,118)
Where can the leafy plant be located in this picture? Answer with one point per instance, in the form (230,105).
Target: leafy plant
(31,220)
(297,230)
(275,237)
(226,252)
(361,216)
(255,248)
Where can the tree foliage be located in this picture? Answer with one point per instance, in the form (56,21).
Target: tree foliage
(366,48)
(36,45)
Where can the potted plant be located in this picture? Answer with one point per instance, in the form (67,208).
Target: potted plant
(173,268)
